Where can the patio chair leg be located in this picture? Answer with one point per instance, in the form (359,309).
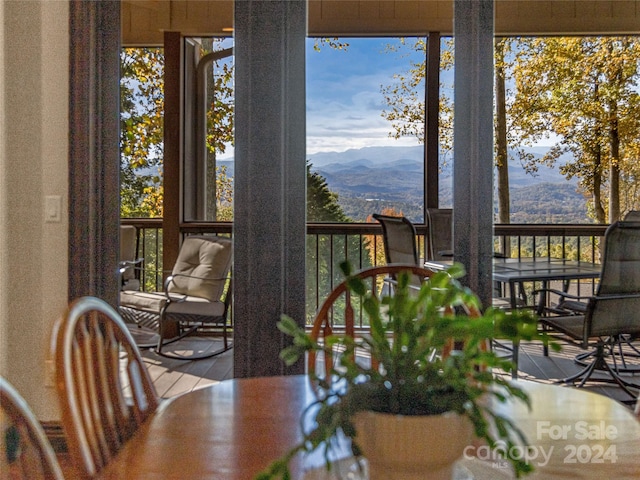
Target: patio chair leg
(600,363)
(617,341)
(162,343)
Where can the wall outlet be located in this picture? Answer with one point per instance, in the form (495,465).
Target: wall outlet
(49,373)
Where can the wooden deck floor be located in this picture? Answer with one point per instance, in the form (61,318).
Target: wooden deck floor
(174,377)
(534,366)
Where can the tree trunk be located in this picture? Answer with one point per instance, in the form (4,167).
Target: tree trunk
(211,211)
(597,188)
(614,176)
(614,167)
(502,160)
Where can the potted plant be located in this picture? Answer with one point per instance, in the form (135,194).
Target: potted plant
(411,380)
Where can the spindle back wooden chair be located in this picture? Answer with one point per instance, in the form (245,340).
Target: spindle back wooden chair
(104,387)
(25,452)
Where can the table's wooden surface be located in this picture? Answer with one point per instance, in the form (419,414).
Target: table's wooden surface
(232,430)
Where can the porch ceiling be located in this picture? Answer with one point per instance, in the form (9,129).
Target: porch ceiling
(144,21)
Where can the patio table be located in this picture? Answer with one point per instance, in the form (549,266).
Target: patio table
(514,272)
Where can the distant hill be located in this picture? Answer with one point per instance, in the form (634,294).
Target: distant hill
(385,157)
(369,179)
(372,178)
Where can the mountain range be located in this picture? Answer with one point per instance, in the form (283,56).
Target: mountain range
(411,158)
(372,178)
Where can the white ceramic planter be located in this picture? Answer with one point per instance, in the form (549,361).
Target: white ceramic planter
(402,447)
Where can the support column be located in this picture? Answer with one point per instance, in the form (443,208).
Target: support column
(173,147)
(431,122)
(473,143)
(94,151)
(270,181)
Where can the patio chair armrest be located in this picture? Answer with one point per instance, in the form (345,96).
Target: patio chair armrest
(578,302)
(133,264)
(620,296)
(561,293)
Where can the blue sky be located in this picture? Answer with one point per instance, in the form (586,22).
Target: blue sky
(344,99)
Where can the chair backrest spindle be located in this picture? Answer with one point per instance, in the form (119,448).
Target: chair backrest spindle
(322,321)
(25,452)
(104,388)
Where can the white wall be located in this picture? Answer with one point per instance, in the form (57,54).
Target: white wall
(3,206)
(34,147)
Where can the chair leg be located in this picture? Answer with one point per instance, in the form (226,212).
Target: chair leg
(614,354)
(634,353)
(600,363)
(185,333)
(224,335)
(515,359)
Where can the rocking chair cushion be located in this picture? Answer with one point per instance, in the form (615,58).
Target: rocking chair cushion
(196,262)
(153,302)
(199,307)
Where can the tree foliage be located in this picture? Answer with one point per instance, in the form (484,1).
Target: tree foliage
(584,90)
(141,131)
(324,252)
(322,203)
(405,104)
(142,134)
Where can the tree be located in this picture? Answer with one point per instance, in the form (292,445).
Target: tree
(585,91)
(406,108)
(141,142)
(220,119)
(322,203)
(502,147)
(141,131)
(323,206)
(407,115)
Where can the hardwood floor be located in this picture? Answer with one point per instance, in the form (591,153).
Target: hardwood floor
(174,377)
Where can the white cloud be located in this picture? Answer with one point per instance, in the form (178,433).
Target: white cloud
(347,114)
(344,102)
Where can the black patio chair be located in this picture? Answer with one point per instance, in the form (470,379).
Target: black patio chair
(440,233)
(601,321)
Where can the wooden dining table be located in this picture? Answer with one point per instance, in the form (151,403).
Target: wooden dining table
(234,429)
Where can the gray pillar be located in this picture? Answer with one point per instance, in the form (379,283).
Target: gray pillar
(270,180)
(94,152)
(473,143)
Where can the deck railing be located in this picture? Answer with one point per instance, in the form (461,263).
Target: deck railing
(328,244)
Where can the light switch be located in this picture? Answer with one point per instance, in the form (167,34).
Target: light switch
(52,208)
